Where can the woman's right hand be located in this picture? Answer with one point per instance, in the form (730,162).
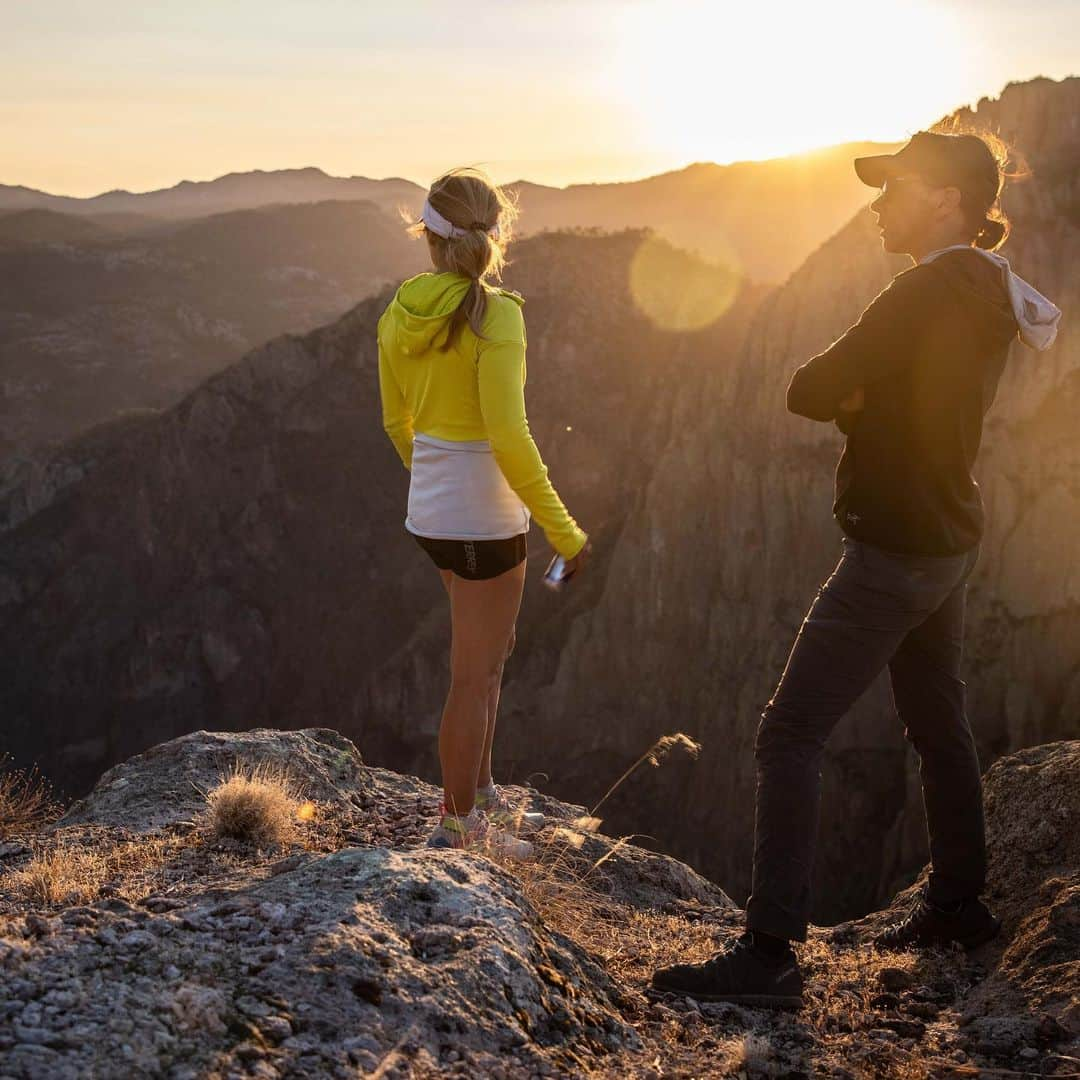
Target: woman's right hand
(580,559)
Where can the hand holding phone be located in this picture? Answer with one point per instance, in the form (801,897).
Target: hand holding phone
(560,570)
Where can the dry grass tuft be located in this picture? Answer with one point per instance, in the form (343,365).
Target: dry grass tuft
(562,883)
(26,800)
(749,1054)
(257,804)
(68,874)
(654,756)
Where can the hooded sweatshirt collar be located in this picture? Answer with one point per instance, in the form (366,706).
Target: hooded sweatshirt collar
(422,306)
(1036,317)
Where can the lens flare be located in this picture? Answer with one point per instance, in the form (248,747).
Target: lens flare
(678,290)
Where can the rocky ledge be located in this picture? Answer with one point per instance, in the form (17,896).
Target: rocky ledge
(136,939)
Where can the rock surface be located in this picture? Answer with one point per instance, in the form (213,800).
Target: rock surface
(360,952)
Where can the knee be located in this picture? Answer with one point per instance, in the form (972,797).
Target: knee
(781,732)
(476,681)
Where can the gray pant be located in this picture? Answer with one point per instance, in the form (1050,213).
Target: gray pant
(876,609)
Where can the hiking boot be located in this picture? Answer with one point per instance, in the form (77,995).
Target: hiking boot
(926,924)
(741,974)
(474,833)
(502,812)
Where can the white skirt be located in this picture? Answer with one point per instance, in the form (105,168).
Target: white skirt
(458,492)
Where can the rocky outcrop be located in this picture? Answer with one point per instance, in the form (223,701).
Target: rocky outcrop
(355,950)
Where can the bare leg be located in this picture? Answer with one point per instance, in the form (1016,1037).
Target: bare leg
(483,614)
(489,733)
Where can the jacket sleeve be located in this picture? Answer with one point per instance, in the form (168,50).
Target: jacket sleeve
(878,345)
(397,420)
(501,381)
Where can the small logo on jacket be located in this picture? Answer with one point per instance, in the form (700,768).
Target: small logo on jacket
(853,518)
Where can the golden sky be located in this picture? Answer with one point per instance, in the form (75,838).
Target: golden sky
(118,94)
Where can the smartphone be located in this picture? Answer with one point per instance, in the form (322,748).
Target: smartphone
(557,574)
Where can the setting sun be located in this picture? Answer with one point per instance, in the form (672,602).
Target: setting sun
(721,82)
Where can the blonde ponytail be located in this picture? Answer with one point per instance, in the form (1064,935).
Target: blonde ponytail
(468,199)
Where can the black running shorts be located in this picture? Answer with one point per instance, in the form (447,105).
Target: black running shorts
(475,560)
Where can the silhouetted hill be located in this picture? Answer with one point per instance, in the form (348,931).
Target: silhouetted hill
(93,327)
(47,226)
(767,216)
(125,301)
(234,191)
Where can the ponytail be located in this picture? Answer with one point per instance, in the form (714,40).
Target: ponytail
(992,233)
(468,200)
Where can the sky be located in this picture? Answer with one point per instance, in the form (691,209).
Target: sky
(96,96)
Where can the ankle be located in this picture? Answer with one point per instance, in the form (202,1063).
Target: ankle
(770,946)
(950,907)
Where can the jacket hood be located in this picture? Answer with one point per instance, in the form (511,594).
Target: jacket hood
(990,277)
(421,309)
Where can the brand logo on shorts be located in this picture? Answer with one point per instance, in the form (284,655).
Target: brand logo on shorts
(470,556)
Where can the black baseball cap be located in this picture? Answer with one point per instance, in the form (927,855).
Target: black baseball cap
(961,160)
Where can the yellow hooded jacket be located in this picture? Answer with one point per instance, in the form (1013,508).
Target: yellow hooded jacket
(476,390)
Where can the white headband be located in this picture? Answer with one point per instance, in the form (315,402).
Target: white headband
(447,229)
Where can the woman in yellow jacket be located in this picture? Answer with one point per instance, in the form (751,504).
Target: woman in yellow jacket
(451,377)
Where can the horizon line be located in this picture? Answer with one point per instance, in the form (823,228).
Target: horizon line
(506,183)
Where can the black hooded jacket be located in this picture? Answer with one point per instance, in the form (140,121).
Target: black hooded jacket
(928,353)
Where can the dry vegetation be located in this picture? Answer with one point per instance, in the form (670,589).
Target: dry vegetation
(26,800)
(851,1026)
(256,804)
(255,808)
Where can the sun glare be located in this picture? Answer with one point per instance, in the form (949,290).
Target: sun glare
(723,82)
(680,291)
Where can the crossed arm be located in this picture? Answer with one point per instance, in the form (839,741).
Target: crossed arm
(831,385)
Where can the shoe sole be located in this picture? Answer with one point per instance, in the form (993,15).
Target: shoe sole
(968,943)
(756,1001)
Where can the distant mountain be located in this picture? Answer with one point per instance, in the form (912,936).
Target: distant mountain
(96,324)
(766,216)
(48,226)
(125,301)
(234,191)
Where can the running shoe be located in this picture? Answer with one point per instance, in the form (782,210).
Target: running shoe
(501,811)
(475,833)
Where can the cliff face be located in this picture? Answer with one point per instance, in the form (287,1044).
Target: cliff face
(240,559)
(730,535)
(708,584)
